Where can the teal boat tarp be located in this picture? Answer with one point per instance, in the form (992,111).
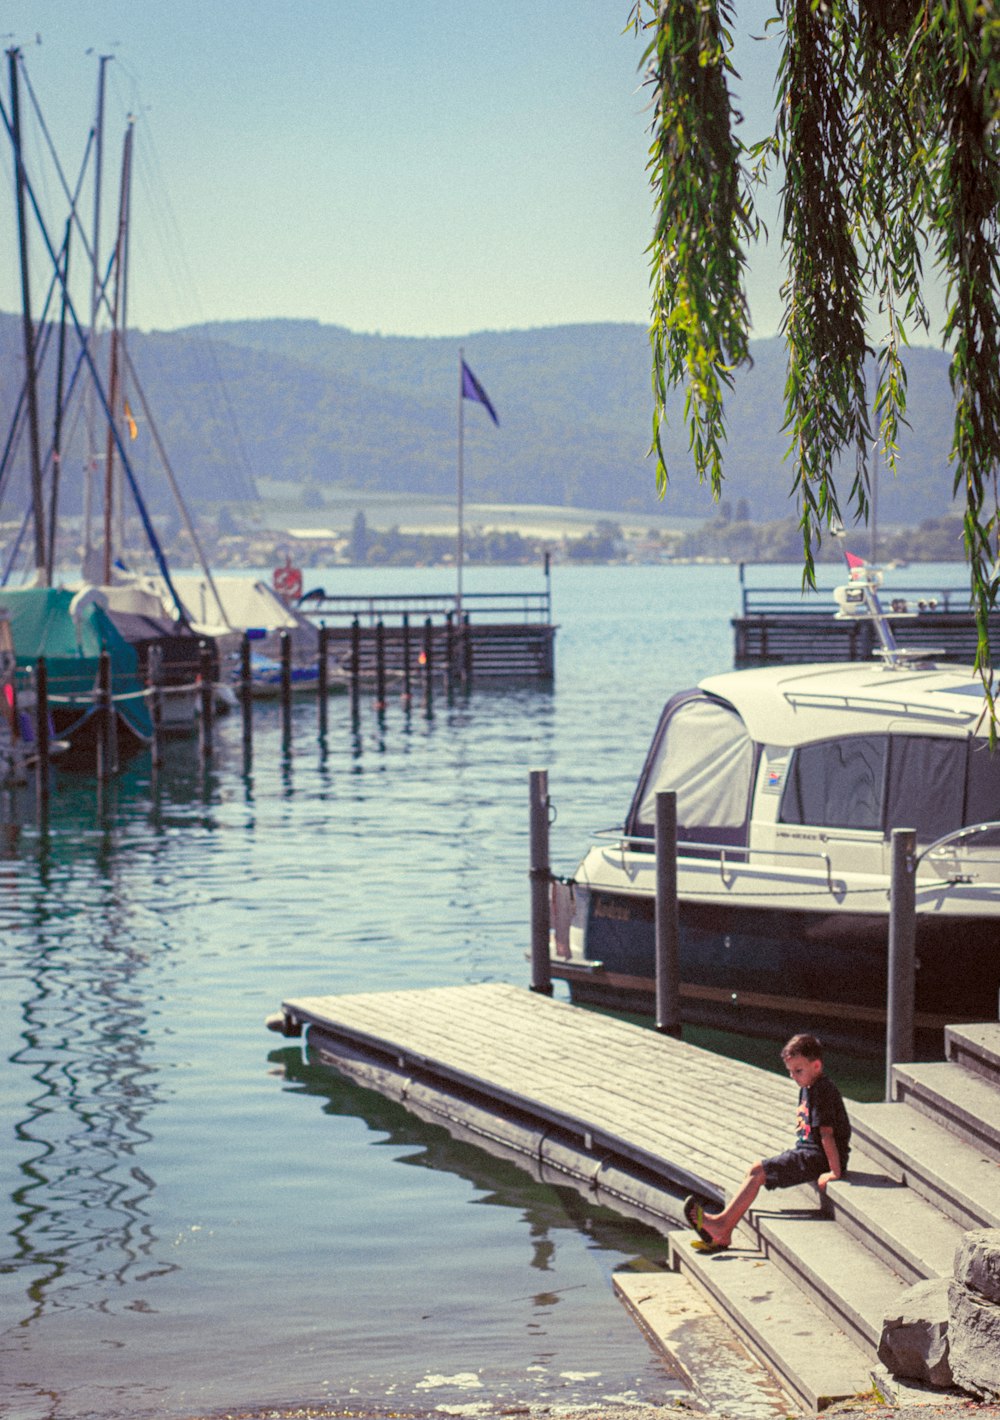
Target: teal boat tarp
(41,625)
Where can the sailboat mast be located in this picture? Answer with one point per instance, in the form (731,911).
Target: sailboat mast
(113,378)
(96,289)
(31,386)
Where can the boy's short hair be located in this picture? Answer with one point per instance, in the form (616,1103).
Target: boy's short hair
(805,1045)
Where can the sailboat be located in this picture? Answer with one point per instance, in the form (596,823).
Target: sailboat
(144,633)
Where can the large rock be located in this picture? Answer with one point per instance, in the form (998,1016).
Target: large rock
(974,1334)
(977,1262)
(914,1341)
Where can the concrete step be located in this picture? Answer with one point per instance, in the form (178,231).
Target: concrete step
(959,1179)
(906,1232)
(714,1362)
(838,1274)
(810,1357)
(962,1100)
(976,1047)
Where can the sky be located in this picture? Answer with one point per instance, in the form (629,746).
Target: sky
(433,168)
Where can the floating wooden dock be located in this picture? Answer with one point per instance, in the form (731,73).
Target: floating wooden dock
(779,625)
(635,1119)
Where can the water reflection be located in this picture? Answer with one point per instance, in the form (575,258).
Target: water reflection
(547,1208)
(82,1205)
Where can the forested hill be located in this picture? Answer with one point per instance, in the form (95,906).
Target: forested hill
(319,405)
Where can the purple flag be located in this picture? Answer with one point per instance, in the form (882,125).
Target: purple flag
(472,389)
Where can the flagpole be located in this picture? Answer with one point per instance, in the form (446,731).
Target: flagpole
(460,537)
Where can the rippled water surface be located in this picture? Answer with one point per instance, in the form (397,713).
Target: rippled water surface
(195,1218)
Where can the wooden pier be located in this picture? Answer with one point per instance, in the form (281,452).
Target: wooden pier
(481,638)
(780,625)
(635,1119)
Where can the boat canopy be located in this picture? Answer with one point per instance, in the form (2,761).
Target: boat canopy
(42,625)
(701,751)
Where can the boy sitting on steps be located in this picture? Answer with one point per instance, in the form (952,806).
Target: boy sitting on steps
(822,1145)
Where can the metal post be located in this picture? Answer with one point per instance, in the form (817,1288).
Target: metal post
(323,687)
(246,698)
(42,734)
(899,1031)
(207,688)
(668,972)
(541,880)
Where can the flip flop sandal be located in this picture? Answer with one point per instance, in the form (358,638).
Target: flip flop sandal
(706,1248)
(694,1212)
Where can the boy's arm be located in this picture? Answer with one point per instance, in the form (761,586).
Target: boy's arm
(829,1142)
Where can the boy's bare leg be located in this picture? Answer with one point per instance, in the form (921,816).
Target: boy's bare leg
(720,1226)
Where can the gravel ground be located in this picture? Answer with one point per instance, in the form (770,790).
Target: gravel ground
(848,1410)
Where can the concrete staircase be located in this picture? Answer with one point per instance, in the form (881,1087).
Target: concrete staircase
(808,1281)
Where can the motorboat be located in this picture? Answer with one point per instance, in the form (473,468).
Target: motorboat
(789,781)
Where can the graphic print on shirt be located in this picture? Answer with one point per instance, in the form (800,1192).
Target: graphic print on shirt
(803,1122)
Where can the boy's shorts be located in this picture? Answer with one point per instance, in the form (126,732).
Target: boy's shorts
(792,1167)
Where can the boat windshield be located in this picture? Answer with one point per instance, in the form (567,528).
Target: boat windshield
(705,755)
(929,783)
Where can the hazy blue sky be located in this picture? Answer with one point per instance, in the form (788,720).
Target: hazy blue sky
(433,168)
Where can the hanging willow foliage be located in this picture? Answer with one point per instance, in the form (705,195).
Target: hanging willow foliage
(887,145)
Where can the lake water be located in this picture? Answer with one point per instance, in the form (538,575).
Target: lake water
(197,1220)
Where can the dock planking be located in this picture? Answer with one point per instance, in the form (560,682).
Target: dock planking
(555,1082)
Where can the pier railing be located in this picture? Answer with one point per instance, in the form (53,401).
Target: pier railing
(784,601)
(517,607)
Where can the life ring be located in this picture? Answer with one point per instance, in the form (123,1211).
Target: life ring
(287,582)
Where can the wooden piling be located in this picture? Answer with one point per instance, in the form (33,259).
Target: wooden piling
(207,692)
(667,918)
(428,666)
(449,650)
(155,680)
(466,653)
(541,881)
(286,686)
(42,735)
(246,698)
(355,667)
(107,739)
(323,684)
(380,665)
(407,696)
(899,1029)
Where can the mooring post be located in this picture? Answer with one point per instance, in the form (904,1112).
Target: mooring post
(323,686)
(466,653)
(406,659)
(355,667)
(380,665)
(105,719)
(285,642)
(154,676)
(668,969)
(541,881)
(428,666)
(900,1037)
(206,689)
(42,734)
(449,650)
(246,698)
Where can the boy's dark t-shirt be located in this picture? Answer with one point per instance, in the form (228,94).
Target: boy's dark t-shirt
(820,1104)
